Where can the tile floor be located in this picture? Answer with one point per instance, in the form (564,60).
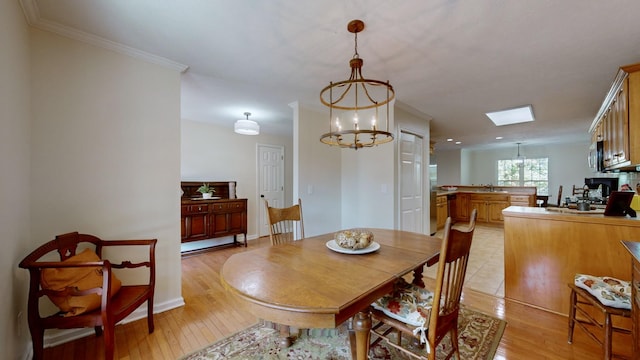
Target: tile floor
(485,271)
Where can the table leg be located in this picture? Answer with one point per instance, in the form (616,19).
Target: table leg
(362,328)
(417,276)
(286,339)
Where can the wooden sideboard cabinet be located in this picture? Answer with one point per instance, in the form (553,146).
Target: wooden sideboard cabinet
(194,221)
(220,216)
(228,217)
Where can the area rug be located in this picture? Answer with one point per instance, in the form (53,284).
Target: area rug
(479,336)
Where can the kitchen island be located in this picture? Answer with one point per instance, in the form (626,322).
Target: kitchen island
(457,201)
(544,249)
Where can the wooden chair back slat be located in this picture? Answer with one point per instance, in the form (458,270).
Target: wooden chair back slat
(285,224)
(452,268)
(443,319)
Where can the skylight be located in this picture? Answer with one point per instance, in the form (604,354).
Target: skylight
(512,116)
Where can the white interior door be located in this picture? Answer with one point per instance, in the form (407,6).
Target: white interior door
(270,182)
(411,182)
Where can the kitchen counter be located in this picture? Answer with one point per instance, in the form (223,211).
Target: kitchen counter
(595,216)
(488,201)
(544,249)
(481,189)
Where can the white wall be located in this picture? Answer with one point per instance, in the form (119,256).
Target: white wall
(449,167)
(317,175)
(215,153)
(15,139)
(368,187)
(106,151)
(344,188)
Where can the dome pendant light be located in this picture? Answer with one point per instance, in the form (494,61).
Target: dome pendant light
(246,126)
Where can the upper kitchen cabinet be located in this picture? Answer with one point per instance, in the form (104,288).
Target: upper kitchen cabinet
(617,123)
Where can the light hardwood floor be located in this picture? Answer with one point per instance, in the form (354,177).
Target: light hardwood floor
(210,315)
(485,271)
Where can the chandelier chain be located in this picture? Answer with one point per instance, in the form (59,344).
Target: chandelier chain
(356,55)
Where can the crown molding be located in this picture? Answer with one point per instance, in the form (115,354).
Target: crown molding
(32,14)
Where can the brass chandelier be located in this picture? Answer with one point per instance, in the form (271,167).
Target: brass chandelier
(354,98)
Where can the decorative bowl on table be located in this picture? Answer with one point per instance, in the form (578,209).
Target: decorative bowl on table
(354,239)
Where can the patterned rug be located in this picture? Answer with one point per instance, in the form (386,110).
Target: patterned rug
(479,336)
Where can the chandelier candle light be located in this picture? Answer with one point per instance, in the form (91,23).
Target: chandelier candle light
(356,97)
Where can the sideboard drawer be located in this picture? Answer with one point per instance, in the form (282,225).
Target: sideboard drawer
(228,206)
(195,209)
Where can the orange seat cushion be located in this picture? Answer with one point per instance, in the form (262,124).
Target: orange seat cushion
(64,280)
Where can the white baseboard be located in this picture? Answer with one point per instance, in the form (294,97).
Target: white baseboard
(208,243)
(63,336)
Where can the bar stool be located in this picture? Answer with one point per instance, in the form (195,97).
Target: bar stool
(612,297)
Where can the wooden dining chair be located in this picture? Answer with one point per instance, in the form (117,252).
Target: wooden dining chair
(84,287)
(423,314)
(285,224)
(595,302)
(559,200)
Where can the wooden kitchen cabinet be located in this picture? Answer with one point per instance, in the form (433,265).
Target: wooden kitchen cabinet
(480,205)
(494,210)
(489,206)
(522,200)
(615,126)
(488,203)
(441,211)
(617,122)
(462,211)
(598,133)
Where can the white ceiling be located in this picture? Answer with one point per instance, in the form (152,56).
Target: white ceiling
(451,60)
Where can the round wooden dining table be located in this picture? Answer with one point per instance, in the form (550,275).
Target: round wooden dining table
(310,284)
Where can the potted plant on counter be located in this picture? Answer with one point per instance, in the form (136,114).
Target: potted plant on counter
(206,191)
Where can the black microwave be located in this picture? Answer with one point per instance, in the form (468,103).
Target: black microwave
(595,159)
